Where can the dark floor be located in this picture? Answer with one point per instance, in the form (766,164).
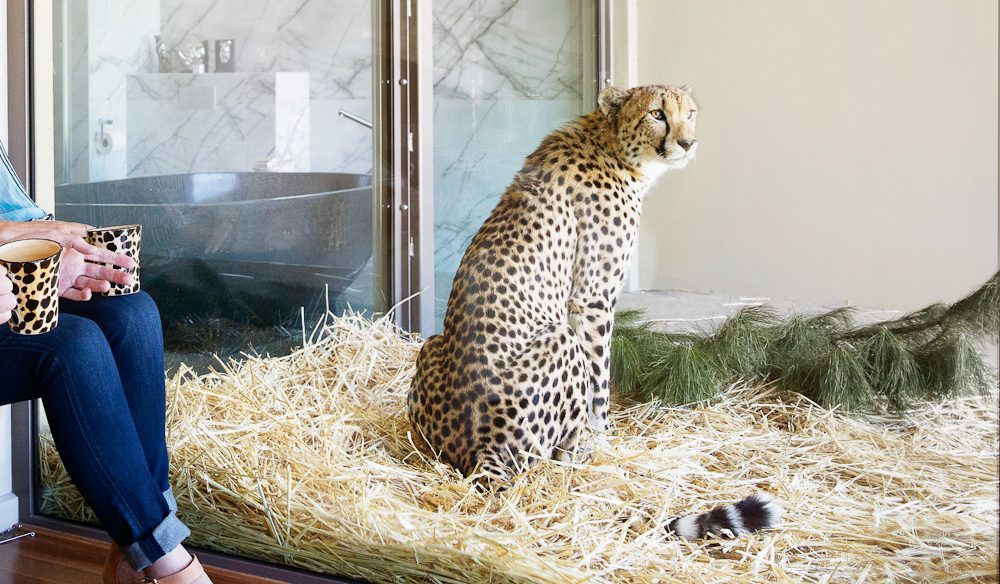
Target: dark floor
(54,557)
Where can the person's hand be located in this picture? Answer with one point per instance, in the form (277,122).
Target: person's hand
(80,272)
(11,230)
(7,299)
(67,234)
(79,278)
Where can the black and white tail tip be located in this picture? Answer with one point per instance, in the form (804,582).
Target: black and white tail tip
(758,511)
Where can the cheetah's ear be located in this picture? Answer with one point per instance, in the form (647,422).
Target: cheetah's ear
(610,101)
(686,88)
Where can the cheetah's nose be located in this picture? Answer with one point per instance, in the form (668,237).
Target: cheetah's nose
(686,144)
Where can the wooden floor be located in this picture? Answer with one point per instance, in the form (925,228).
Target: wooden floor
(56,557)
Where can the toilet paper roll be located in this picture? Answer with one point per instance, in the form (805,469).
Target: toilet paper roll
(108,142)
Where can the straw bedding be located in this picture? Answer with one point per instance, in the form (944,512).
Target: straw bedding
(307,460)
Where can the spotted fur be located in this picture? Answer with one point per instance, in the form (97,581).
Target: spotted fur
(522,366)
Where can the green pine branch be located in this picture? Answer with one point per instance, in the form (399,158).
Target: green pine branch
(928,354)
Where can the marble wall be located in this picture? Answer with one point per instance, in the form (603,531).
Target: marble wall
(506,73)
(331,40)
(100,43)
(110,47)
(212,122)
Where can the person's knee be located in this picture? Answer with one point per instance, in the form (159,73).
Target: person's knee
(79,344)
(139,314)
(141,309)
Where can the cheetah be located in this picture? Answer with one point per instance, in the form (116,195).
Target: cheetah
(522,366)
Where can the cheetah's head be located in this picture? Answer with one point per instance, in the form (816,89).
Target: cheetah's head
(655,125)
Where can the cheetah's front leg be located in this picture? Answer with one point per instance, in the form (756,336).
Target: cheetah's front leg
(592,321)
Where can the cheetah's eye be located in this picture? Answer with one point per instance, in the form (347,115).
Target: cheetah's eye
(657,114)
(691,114)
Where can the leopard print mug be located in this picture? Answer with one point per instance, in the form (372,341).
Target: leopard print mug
(123,239)
(33,267)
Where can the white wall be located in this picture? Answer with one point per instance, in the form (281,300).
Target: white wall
(847,150)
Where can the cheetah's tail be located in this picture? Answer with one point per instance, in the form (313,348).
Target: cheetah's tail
(758,511)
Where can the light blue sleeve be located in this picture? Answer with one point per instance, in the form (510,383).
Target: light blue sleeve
(15,205)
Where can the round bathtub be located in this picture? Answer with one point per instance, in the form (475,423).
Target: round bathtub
(247,244)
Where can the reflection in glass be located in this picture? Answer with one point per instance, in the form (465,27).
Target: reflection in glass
(505,75)
(255,196)
(254,193)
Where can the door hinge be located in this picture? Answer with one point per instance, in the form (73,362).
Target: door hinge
(410,248)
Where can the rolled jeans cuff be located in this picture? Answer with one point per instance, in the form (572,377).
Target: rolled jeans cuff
(171,501)
(164,538)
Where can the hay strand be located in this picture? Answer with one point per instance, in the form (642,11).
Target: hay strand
(309,460)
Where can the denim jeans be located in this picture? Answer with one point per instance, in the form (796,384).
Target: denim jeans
(100,377)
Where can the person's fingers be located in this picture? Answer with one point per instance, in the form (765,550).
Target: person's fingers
(55,235)
(8,302)
(93,284)
(74,241)
(100,272)
(79,229)
(99,254)
(77,294)
(67,240)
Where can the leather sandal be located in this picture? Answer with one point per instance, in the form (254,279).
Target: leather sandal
(192,572)
(117,570)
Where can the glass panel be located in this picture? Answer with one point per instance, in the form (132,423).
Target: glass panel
(216,126)
(239,134)
(505,75)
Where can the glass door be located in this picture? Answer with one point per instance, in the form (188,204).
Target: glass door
(279,157)
(239,134)
(243,136)
(506,73)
